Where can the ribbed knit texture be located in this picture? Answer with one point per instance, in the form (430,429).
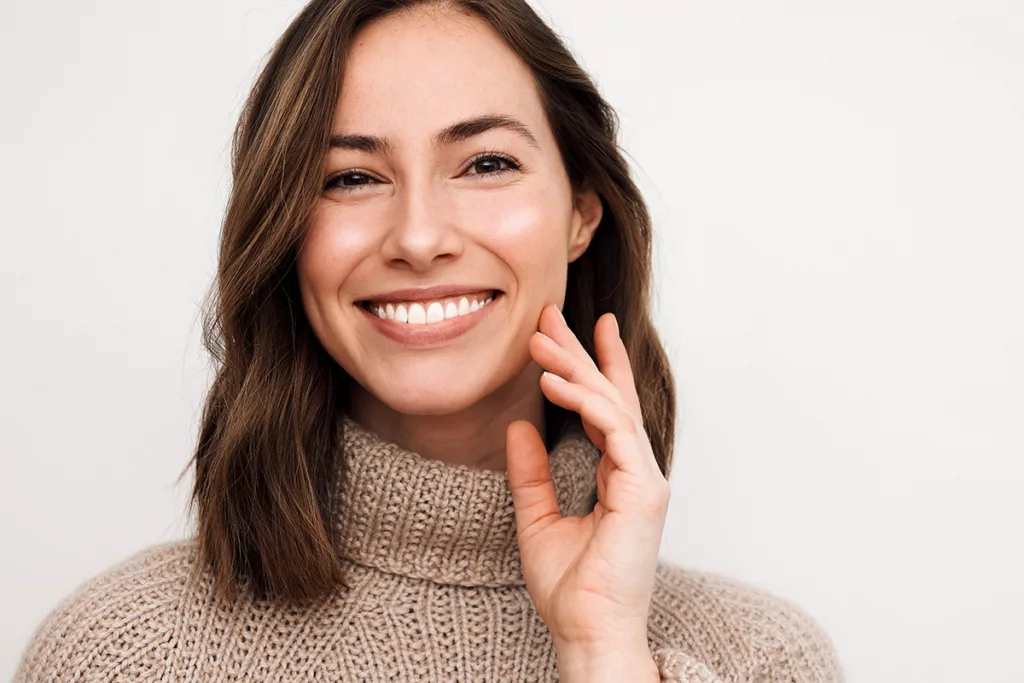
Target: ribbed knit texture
(437,594)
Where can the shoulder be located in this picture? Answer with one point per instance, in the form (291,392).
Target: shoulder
(741,632)
(111,617)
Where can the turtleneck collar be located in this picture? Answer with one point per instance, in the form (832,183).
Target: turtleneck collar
(405,514)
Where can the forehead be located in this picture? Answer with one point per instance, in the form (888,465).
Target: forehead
(412,73)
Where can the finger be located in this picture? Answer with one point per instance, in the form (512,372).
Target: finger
(607,416)
(554,358)
(529,478)
(553,324)
(613,361)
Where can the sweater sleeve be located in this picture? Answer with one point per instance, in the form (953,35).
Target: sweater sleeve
(675,666)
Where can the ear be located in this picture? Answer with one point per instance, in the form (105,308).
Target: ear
(586,216)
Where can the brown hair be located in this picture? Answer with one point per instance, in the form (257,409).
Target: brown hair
(266,448)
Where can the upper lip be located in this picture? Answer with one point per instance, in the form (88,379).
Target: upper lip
(428,292)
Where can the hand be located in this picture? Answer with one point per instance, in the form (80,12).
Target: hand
(590,578)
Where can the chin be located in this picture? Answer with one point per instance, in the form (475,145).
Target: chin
(432,388)
(443,384)
(437,398)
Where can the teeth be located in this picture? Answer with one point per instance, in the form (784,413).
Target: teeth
(435,313)
(418,313)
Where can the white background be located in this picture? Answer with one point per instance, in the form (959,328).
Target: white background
(837,190)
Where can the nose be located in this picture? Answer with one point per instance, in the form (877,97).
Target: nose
(422,232)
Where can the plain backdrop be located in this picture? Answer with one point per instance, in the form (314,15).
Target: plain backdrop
(838,194)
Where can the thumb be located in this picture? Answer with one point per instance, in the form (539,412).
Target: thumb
(529,477)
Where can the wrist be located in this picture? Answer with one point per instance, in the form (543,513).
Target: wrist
(592,663)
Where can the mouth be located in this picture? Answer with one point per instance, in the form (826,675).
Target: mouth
(431,311)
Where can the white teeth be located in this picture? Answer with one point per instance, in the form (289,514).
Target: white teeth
(427,313)
(435,312)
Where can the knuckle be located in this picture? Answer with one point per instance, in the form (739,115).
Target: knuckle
(570,373)
(628,423)
(588,402)
(660,499)
(662,490)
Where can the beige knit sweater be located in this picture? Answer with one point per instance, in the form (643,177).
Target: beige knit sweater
(437,595)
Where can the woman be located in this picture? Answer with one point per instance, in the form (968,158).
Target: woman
(411,466)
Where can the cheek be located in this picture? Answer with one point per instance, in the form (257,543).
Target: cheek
(329,254)
(525,228)
(327,258)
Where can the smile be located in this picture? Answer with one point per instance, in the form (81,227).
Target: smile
(431,322)
(431,311)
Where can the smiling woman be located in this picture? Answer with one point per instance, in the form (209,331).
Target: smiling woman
(438,443)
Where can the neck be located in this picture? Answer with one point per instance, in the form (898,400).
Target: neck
(472,436)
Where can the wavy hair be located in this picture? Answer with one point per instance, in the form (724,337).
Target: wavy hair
(269,433)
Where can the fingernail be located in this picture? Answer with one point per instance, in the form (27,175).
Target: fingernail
(554,376)
(616,321)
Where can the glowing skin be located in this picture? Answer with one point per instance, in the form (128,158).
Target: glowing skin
(420,215)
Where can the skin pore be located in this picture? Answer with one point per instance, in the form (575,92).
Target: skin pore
(487,206)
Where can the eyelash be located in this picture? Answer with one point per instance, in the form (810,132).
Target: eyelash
(334,181)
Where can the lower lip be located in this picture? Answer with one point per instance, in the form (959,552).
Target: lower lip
(429,334)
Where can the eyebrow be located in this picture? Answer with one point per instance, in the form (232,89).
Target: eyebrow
(457,132)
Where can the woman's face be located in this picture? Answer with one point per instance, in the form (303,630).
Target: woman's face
(444,190)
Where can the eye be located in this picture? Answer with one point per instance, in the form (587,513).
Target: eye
(490,164)
(348,180)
